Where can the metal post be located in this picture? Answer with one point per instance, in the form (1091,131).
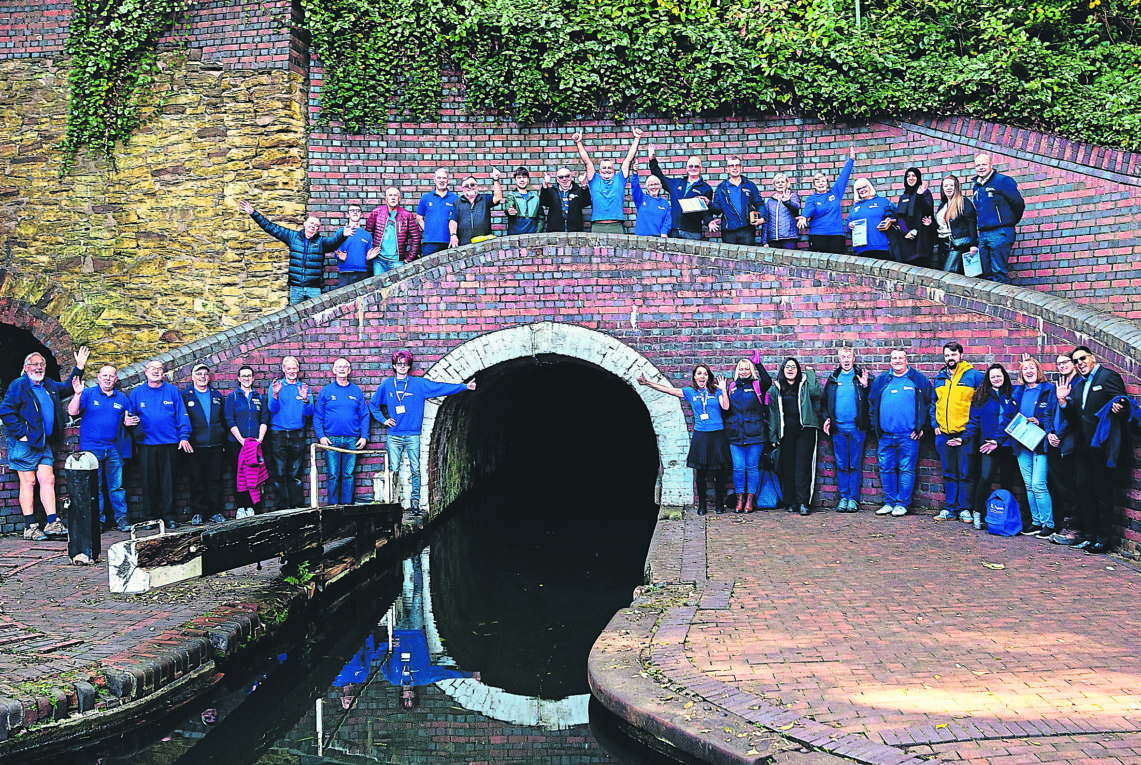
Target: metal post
(313,474)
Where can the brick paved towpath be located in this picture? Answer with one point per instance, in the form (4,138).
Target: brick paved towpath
(892,640)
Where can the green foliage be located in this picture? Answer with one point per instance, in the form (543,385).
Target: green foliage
(1068,66)
(114,71)
(302,575)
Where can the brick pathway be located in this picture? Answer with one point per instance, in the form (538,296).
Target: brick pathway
(891,640)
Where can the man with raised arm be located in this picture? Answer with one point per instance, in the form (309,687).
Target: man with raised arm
(564,201)
(306,252)
(607,187)
(290,405)
(474,207)
(33,418)
(399,405)
(690,214)
(104,414)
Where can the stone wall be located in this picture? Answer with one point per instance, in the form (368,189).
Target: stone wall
(694,303)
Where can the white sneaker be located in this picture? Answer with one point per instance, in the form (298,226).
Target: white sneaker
(899,510)
(885,510)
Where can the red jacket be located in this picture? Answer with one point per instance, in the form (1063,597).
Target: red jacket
(408,233)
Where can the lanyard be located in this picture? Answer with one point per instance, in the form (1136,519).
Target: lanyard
(400,394)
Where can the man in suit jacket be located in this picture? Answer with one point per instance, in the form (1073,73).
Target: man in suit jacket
(1081,404)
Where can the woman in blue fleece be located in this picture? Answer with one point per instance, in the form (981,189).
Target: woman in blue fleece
(868,221)
(821,215)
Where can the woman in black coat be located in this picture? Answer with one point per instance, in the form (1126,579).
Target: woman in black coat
(915,211)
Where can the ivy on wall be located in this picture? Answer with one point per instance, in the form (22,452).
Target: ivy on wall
(1068,66)
(115,71)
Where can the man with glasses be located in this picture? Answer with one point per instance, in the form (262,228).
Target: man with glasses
(564,201)
(474,209)
(290,405)
(399,405)
(1085,403)
(607,187)
(33,418)
(999,205)
(1060,460)
(690,198)
(738,202)
(438,216)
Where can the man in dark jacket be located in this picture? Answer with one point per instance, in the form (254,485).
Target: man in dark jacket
(1081,405)
(33,418)
(999,206)
(738,201)
(687,224)
(306,252)
(1061,462)
(206,408)
(564,201)
(846,420)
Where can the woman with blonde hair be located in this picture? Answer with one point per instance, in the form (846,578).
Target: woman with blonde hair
(955,222)
(746,423)
(1036,400)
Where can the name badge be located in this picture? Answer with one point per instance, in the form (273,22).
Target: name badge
(1097,387)
(400,409)
(704,416)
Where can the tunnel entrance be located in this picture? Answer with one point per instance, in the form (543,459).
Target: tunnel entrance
(551,539)
(15,345)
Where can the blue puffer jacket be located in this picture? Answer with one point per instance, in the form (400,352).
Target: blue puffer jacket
(306,256)
(746,421)
(21,413)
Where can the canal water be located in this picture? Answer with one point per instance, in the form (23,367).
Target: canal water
(472,649)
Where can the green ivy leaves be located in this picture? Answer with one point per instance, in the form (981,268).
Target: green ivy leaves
(113,72)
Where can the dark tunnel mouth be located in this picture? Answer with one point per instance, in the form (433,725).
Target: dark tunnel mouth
(549,540)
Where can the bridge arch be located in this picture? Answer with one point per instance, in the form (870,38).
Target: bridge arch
(570,341)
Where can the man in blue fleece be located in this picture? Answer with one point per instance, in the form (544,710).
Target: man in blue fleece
(999,205)
(899,401)
(290,405)
(163,430)
(104,412)
(340,419)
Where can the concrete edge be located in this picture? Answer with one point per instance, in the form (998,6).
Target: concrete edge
(619,681)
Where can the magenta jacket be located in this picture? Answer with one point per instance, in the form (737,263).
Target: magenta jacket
(408,233)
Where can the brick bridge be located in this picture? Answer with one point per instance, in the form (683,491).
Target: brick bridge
(601,309)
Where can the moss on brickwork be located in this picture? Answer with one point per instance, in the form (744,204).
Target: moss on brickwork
(157,254)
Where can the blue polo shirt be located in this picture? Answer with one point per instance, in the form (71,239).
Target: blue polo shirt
(846,407)
(706,409)
(608,198)
(101,415)
(290,409)
(341,410)
(47,408)
(162,414)
(437,211)
(356,249)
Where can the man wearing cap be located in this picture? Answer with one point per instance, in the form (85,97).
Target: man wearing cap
(290,405)
(104,412)
(206,408)
(33,419)
(162,431)
(399,405)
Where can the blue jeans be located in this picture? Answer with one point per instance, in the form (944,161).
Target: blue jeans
(381,265)
(958,480)
(397,447)
(339,470)
(300,294)
(427,248)
(739,236)
(111,471)
(848,450)
(746,467)
(898,456)
(678,233)
(994,252)
(1034,471)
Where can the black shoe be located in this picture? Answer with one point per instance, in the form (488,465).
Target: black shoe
(790,509)
(804,509)
(1097,548)
(1046,532)
(1032,530)
(171,525)
(701,511)
(123,525)
(1081,544)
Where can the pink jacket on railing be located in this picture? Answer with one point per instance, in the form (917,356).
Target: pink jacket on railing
(252,472)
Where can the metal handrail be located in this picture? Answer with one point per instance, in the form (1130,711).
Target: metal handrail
(381,480)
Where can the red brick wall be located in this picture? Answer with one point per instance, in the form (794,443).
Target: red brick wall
(708,303)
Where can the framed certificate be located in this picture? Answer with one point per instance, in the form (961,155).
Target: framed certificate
(693,204)
(860,233)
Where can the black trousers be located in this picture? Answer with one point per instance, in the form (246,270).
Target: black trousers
(998,464)
(156,474)
(797,468)
(286,457)
(205,468)
(1062,480)
(837,244)
(1096,485)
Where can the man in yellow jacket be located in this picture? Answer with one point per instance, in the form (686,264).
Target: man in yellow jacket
(950,410)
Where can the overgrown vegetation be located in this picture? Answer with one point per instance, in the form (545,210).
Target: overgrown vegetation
(1068,66)
(115,71)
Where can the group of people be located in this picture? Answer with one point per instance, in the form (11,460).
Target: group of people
(971,235)
(199,430)
(1068,437)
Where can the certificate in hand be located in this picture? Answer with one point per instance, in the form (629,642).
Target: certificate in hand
(693,204)
(1025,432)
(860,233)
